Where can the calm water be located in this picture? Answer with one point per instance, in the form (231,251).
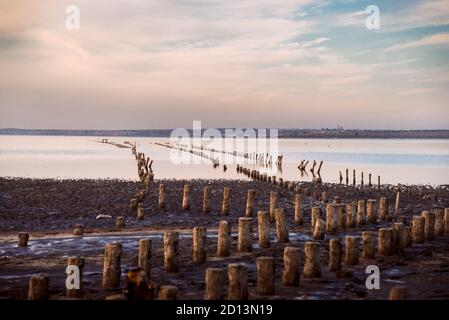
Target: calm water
(396,161)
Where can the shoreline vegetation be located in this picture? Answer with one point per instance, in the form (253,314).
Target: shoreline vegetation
(282,133)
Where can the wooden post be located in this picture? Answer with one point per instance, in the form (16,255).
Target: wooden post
(429,225)
(398,234)
(312,267)
(120,223)
(244,235)
(171,251)
(137,285)
(351,212)
(161,196)
(292,266)
(371,211)
(140,212)
(439,223)
(334,254)
(361,212)
(397,293)
(265,275)
(112,265)
(263,222)
(298,208)
(383,206)
(331,218)
(78,230)
(352,250)
(353,178)
(385,242)
(133,204)
(224,239)
(238,282)
(320,229)
(446,221)
(226,197)
(79,263)
(378,182)
(418,229)
(186,197)
(215,281)
(273,198)
(168,293)
(38,288)
(23,239)
(369,180)
(396,207)
(347,177)
(144,258)
(250,203)
(199,236)
(206,200)
(407,237)
(369,245)
(361,179)
(281,225)
(315,214)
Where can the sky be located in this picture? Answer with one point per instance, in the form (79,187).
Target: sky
(143,64)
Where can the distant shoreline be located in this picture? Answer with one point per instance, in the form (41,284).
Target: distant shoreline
(282,133)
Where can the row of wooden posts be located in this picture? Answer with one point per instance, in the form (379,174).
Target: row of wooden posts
(428,226)
(354,179)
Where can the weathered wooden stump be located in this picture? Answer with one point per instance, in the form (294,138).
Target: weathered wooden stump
(292,266)
(351,250)
(265,275)
(334,254)
(137,285)
(238,282)
(320,229)
(171,251)
(206,199)
(120,223)
(250,203)
(263,222)
(298,208)
(272,206)
(371,211)
(312,267)
(315,214)
(407,239)
(140,212)
(446,221)
(398,293)
(78,230)
(398,235)
(244,241)
(385,242)
(429,225)
(418,229)
(23,239)
(38,287)
(369,245)
(168,293)
(162,196)
(144,258)
(351,212)
(199,236)
(224,239)
(281,226)
(332,218)
(383,208)
(77,290)
(186,198)
(341,217)
(361,212)
(226,199)
(439,223)
(112,265)
(215,282)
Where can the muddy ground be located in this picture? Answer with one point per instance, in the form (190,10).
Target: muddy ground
(48,209)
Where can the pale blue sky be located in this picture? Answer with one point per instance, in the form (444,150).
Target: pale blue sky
(141,64)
